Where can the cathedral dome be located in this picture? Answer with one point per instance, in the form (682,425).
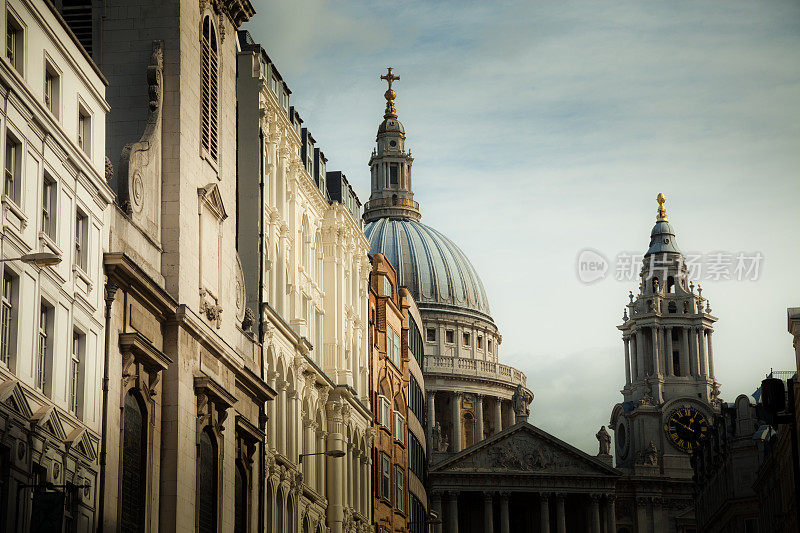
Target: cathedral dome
(430,265)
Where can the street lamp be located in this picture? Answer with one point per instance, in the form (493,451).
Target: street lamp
(433,521)
(40,259)
(329,453)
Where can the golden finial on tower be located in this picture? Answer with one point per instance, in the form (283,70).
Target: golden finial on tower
(662,213)
(390,95)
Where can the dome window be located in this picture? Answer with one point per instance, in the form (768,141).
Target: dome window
(480,342)
(449,336)
(466,339)
(430,334)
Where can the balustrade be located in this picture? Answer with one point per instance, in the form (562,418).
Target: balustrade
(474,367)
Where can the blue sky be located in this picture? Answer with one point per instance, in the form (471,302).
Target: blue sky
(542,128)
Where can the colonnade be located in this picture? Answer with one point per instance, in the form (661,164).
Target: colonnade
(696,354)
(597,510)
(460,435)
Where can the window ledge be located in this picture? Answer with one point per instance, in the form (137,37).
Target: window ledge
(83,276)
(12,206)
(47,241)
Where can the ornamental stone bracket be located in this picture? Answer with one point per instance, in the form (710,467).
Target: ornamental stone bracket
(213,402)
(142,362)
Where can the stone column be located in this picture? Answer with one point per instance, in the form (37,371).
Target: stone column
(457,430)
(701,341)
(611,513)
(693,362)
(544,513)
(595,510)
(453,519)
(478,417)
(641,515)
(488,518)
(626,340)
(504,522)
(659,520)
(668,357)
(436,505)
(685,366)
(336,441)
(561,520)
(640,353)
(282,406)
(634,356)
(710,356)
(498,415)
(656,350)
(431,421)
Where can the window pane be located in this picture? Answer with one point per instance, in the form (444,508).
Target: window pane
(133,466)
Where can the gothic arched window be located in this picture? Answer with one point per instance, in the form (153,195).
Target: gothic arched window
(207,483)
(210,88)
(134,462)
(240,525)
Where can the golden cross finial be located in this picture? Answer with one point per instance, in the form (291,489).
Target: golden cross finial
(390,95)
(662,213)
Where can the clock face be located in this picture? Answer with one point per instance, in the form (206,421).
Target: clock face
(686,427)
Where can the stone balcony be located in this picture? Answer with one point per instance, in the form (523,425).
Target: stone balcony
(462,366)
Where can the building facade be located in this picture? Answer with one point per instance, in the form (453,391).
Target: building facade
(398,404)
(55,200)
(670,396)
(307,272)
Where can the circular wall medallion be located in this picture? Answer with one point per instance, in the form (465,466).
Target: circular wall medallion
(392,143)
(56,470)
(137,191)
(21,451)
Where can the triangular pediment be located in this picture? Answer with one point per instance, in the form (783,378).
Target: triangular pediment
(47,418)
(524,448)
(80,442)
(12,395)
(213,199)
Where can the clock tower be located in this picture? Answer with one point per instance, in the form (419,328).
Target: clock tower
(670,394)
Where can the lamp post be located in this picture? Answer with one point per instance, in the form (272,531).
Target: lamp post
(774,400)
(40,259)
(433,521)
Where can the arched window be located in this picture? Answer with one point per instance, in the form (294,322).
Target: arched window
(240,525)
(209,92)
(672,307)
(207,483)
(655,284)
(134,463)
(270,506)
(469,429)
(671,284)
(280,526)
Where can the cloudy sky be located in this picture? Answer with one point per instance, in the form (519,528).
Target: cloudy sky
(540,129)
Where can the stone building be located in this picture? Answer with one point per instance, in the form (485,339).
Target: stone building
(306,273)
(55,201)
(670,396)
(398,405)
(469,392)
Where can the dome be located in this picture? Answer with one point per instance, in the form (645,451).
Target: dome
(430,265)
(391,125)
(662,239)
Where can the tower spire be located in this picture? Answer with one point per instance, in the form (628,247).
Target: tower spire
(390,165)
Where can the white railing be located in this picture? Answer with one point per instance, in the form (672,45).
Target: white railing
(474,368)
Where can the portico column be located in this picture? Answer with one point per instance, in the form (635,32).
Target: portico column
(640,352)
(710,356)
(437,508)
(611,513)
(668,357)
(634,356)
(544,513)
(641,515)
(685,366)
(453,520)
(595,506)
(456,440)
(498,415)
(561,521)
(479,417)
(659,520)
(488,518)
(627,360)
(701,341)
(504,522)
(431,420)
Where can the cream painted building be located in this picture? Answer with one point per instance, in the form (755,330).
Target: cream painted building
(306,269)
(55,200)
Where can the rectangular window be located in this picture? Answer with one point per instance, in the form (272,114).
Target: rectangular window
(6,317)
(85,130)
(42,360)
(480,342)
(386,475)
(13,168)
(14,42)
(81,240)
(52,88)
(399,428)
(75,385)
(387,287)
(466,339)
(385,418)
(389,342)
(489,345)
(393,171)
(449,336)
(399,496)
(430,334)
(49,206)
